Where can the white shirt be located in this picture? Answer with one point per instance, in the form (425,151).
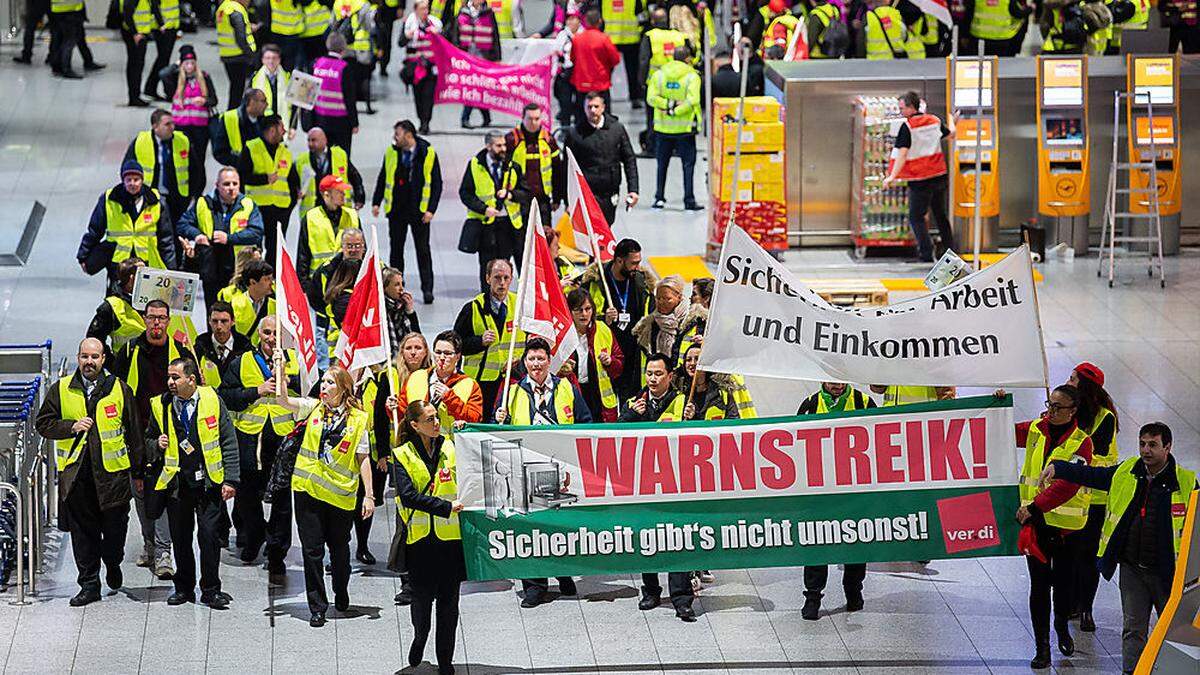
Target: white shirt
(227,346)
(542,395)
(412,24)
(582,355)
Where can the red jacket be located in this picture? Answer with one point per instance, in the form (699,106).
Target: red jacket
(594,56)
(1058,492)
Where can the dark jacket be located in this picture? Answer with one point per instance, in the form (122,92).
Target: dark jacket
(123,363)
(466,189)
(216,261)
(230,454)
(861,401)
(112,489)
(653,411)
(1158,500)
(602,154)
(221,149)
(407,184)
(315,289)
(578,407)
(170,82)
(104,322)
(355,178)
(98,224)
(205,349)
(717,393)
(167,170)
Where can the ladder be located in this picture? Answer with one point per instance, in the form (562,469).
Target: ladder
(1109,238)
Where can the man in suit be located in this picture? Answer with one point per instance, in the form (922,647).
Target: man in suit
(493,191)
(194,433)
(92,419)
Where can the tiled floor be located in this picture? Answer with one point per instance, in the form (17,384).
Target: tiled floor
(61,142)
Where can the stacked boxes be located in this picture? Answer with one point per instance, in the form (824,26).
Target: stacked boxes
(761,208)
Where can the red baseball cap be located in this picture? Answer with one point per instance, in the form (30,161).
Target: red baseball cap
(1089,371)
(332,182)
(778,6)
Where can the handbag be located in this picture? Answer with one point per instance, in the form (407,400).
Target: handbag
(397,550)
(154,501)
(285,463)
(470,238)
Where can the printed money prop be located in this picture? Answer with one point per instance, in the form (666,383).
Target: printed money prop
(919,482)
(982,330)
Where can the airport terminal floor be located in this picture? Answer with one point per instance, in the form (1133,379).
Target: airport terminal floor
(61,143)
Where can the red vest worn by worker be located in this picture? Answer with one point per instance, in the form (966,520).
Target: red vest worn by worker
(329,98)
(925,159)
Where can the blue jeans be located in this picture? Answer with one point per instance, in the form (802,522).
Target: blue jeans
(671,145)
(322,346)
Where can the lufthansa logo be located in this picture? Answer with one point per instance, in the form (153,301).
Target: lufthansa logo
(1065,188)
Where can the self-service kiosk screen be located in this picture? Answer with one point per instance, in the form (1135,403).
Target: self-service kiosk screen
(1155,76)
(1063,130)
(1062,82)
(969,98)
(967,93)
(1164,130)
(1055,96)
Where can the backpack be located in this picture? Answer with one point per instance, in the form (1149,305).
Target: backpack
(835,40)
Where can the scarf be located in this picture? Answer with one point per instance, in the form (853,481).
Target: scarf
(397,323)
(668,328)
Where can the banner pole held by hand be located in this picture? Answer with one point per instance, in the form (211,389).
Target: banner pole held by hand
(1038,309)
(535,221)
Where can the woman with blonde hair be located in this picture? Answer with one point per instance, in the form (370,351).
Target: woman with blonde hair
(192,102)
(334,459)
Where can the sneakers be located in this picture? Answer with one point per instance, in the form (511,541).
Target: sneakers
(811,611)
(145,557)
(659,204)
(164,566)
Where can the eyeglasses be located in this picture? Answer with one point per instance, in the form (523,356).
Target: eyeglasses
(439,352)
(157,319)
(355,247)
(1054,407)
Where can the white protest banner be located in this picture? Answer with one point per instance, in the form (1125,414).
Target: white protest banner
(982,330)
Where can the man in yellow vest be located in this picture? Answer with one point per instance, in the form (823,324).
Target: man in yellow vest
(674,95)
(221,345)
(248,389)
(236,48)
(142,364)
(321,227)
(92,420)
(409,189)
(537,153)
(541,398)
(493,191)
(623,27)
(163,153)
(1143,527)
(66,34)
(216,228)
(1001,24)
(193,435)
(270,179)
(884,34)
(353,249)
(1131,15)
(166,29)
(321,160)
(129,220)
(485,325)
(833,397)
(272,79)
(285,24)
(657,50)
(659,401)
(232,129)
(897,394)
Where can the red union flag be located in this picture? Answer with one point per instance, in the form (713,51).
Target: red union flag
(293,315)
(938,9)
(543,309)
(592,232)
(364,339)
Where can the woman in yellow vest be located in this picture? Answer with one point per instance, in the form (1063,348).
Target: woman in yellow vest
(458,398)
(597,361)
(1056,513)
(1098,417)
(712,396)
(334,456)
(427,496)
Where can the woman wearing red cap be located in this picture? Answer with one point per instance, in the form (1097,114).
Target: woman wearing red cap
(1057,513)
(1097,416)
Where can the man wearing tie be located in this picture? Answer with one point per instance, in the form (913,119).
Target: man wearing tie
(541,398)
(163,153)
(485,326)
(493,191)
(92,419)
(192,429)
(273,81)
(409,188)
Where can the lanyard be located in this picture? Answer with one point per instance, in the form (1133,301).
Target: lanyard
(263,365)
(624,295)
(184,420)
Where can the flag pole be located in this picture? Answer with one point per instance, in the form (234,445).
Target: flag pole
(534,221)
(280,386)
(1038,313)
(587,218)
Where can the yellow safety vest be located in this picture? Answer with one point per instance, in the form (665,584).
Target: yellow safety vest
(502,9)
(277,193)
(339,165)
(546,157)
(1054,42)
(208,427)
(316,20)
(1100,497)
(520,404)
(789,21)
(1122,491)
(1071,515)
(322,237)
(391,160)
(233,128)
(674,412)
(244,315)
(897,394)
(131,378)
(620,21)
(885,33)
(134,237)
(143,18)
(64,6)
(227,45)
(130,323)
(210,373)
(485,190)
(679,83)
(663,42)
(852,400)
(170,14)
(421,523)
(914,44)
(262,82)
(350,9)
(486,366)
(716,411)
(286,18)
(417,389)
(826,14)
(144,152)
(110,412)
(238,222)
(331,477)
(602,342)
(741,396)
(993,21)
(252,420)
(929,30)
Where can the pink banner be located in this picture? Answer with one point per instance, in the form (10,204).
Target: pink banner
(479,83)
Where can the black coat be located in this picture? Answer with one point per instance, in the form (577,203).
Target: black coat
(602,154)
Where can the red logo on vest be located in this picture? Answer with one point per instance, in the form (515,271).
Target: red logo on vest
(147,216)
(569,412)
(1178,510)
(344,445)
(885,21)
(444,475)
(211,421)
(110,411)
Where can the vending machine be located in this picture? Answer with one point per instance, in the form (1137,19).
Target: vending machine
(1064,174)
(971,91)
(1155,78)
